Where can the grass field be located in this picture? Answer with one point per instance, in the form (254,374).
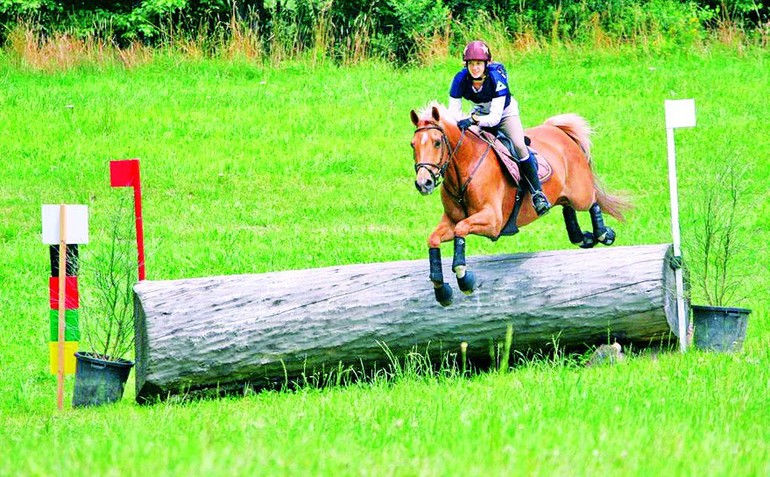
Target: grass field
(250,169)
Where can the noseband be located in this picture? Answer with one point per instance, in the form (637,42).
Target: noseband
(437,171)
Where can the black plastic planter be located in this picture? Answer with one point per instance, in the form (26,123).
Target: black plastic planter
(719,328)
(99,381)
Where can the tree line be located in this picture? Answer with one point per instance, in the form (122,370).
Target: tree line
(391,29)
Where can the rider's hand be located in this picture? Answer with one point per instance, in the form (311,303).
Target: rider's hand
(464,124)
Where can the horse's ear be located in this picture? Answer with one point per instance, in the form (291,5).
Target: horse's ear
(415,119)
(435,113)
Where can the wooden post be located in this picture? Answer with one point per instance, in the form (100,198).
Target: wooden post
(64,226)
(62,301)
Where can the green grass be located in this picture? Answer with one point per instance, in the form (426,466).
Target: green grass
(247,169)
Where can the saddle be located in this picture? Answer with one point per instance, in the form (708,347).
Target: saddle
(544,172)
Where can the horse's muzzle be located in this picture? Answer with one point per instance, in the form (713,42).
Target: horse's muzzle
(425,187)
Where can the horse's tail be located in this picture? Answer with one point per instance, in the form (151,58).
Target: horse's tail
(614,205)
(578,129)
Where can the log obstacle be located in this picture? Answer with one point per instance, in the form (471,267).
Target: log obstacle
(222,332)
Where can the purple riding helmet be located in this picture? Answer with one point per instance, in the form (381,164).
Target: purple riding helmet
(477,50)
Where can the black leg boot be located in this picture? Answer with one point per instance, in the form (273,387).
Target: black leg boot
(528,169)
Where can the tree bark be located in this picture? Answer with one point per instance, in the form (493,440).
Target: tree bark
(264,329)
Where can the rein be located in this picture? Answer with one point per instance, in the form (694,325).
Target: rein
(459,195)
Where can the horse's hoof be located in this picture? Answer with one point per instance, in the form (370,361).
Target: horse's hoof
(467,283)
(608,237)
(443,294)
(588,240)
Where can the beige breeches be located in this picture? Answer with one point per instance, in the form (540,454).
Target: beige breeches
(511,127)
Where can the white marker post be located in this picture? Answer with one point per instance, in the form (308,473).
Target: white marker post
(76,223)
(680,113)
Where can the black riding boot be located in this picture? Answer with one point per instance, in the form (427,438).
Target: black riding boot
(528,169)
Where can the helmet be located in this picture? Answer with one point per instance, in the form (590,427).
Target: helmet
(477,50)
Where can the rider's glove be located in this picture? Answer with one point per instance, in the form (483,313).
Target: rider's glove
(464,124)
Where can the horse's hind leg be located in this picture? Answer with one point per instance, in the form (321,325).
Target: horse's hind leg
(440,288)
(576,236)
(466,279)
(602,234)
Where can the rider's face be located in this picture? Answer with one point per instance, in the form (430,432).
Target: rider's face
(476,68)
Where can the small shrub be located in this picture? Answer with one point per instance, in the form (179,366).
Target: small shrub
(716,245)
(108,269)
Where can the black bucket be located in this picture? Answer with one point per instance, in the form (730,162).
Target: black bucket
(99,381)
(719,328)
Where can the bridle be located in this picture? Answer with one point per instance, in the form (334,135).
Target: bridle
(440,168)
(437,171)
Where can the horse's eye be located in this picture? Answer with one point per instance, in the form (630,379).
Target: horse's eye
(437,144)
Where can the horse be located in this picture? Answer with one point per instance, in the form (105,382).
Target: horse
(481,198)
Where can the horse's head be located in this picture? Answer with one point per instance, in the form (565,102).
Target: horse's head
(431,148)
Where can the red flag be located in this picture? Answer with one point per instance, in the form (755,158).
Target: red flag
(124,173)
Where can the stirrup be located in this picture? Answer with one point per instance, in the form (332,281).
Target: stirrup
(540,203)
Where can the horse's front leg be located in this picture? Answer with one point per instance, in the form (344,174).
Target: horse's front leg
(466,279)
(444,232)
(487,223)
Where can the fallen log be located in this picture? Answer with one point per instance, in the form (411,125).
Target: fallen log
(262,329)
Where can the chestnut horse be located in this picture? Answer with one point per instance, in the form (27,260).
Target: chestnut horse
(479,198)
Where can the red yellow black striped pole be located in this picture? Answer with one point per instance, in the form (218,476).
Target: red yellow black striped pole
(64,226)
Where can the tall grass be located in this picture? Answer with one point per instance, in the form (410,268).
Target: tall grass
(414,33)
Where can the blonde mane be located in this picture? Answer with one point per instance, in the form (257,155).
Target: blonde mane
(426,113)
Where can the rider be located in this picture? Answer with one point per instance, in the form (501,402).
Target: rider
(494,107)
